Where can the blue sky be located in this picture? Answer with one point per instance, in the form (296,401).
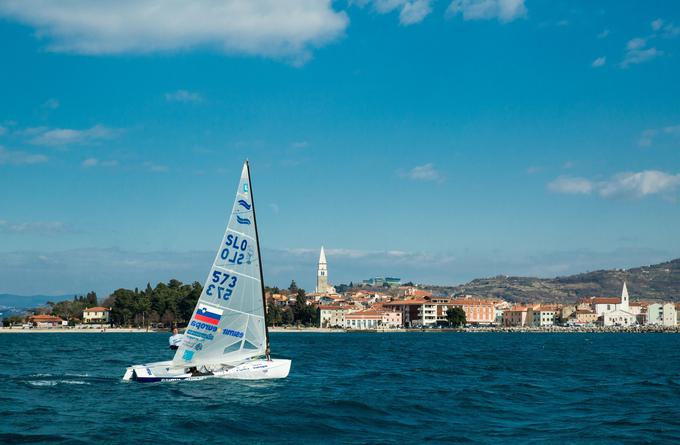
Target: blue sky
(438,141)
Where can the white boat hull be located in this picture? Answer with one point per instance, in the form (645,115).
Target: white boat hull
(249,370)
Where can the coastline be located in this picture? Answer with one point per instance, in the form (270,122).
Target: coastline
(75,330)
(313,330)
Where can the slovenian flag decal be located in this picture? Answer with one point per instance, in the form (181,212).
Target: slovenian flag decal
(208,314)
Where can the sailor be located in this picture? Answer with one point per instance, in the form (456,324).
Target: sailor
(267,354)
(176,339)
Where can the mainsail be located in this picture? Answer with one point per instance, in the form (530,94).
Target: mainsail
(228,323)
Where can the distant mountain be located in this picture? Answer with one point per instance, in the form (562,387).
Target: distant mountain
(658,282)
(31,301)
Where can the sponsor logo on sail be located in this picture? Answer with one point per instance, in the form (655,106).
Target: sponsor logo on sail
(188,355)
(244,204)
(208,314)
(233,333)
(201,335)
(245,188)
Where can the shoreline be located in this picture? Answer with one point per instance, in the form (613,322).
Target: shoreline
(523,330)
(76,331)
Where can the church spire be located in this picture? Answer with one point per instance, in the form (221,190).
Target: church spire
(624,297)
(322,274)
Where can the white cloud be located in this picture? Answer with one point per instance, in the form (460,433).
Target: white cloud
(51,104)
(158,168)
(600,61)
(657,24)
(414,12)
(636,52)
(634,57)
(68,136)
(256,27)
(425,172)
(636,43)
(183,96)
(94,162)
(622,185)
(36,227)
(503,10)
(571,185)
(274,208)
(89,162)
(410,11)
(16,157)
(3,130)
(299,144)
(534,169)
(647,137)
(639,184)
(651,135)
(604,34)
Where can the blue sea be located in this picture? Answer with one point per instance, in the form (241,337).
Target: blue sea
(351,388)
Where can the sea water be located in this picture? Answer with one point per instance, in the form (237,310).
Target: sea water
(351,388)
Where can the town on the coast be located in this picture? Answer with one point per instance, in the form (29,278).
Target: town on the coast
(375,304)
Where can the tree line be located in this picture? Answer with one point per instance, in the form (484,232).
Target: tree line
(173,303)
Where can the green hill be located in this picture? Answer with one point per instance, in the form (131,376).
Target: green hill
(658,282)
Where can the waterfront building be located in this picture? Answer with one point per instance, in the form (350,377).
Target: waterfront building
(331,316)
(637,308)
(567,311)
(414,312)
(541,316)
(618,317)
(366,319)
(584,317)
(44,321)
(477,311)
(517,316)
(661,314)
(391,319)
(614,311)
(100,315)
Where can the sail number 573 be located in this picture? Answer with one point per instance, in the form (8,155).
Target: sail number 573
(223,286)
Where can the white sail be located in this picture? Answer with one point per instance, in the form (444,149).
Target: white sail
(228,323)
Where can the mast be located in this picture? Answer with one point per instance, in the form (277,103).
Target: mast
(259,257)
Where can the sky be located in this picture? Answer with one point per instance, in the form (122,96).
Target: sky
(436,141)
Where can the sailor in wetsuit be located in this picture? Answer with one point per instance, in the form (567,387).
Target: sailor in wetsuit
(176,339)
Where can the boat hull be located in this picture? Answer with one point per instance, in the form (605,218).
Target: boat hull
(250,370)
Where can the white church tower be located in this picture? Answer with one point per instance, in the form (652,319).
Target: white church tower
(322,274)
(624,298)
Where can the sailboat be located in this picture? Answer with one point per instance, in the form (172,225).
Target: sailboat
(227,335)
